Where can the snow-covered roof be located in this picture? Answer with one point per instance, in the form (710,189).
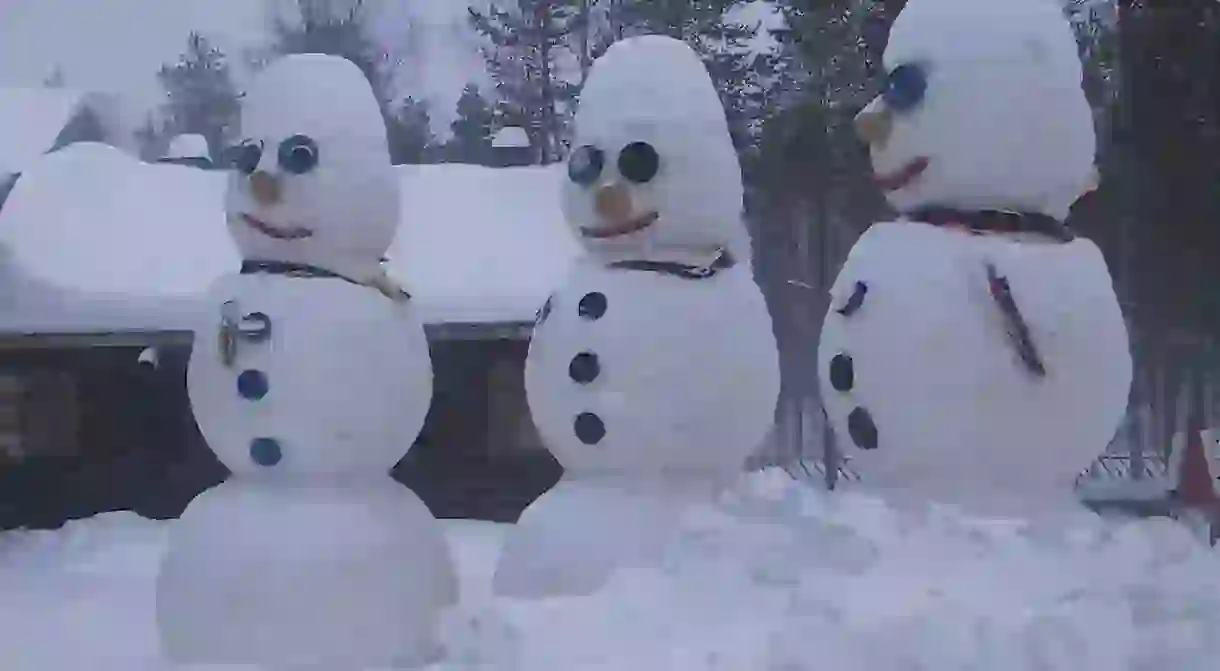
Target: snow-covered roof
(30,121)
(187,145)
(481,244)
(510,137)
(92,240)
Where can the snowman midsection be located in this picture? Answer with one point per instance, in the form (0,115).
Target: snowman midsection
(311,384)
(682,376)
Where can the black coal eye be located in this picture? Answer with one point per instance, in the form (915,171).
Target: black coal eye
(638,162)
(246,156)
(585,165)
(298,154)
(905,87)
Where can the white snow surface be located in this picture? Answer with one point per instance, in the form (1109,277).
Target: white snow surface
(188,145)
(135,245)
(1004,123)
(481,244)
(30,121)
(344,575)
(959,417)
(775,576)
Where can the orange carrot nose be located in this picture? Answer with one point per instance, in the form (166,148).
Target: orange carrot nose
(613,202)
(265,188)
(875,126)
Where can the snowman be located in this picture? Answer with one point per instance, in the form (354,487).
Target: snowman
(653,371)
(309,378)
(974,351)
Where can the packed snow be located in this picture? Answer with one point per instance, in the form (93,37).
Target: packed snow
(481,244)
(30,122)
(136,244)
(775,576)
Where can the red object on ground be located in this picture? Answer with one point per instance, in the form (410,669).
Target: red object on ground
(1194,472)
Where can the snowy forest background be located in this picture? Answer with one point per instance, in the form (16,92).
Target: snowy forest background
(791,81)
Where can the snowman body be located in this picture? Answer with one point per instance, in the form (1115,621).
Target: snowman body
(650,389)
(974,350)
(921,377)
(309,378)
(653,370)
(310,551)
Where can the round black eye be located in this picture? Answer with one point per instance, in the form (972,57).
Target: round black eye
(905,87)
(246,156)
(585,165)
(638,162)
(298,154)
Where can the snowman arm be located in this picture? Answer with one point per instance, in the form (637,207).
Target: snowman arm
(1018,329)
(388,287)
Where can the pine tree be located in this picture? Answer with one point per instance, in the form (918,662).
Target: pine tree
(200,96)
(414,142)
(741,77)
(528,42)
(54,80)
(472,130)
(342,29)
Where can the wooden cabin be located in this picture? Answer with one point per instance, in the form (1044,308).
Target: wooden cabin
(94,414)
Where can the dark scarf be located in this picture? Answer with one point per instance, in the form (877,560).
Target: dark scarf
(723,261)
(289,269)
(995,221)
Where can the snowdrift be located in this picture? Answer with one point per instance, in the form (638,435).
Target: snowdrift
(776,576)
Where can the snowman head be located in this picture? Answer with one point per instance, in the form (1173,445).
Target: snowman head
(653,169)
(981,108)
(311,181)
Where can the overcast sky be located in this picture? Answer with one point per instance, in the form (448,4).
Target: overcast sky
(117,45)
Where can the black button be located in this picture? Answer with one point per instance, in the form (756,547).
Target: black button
(855,300)
(842,373)
(862,429)
(584,368)
(639,162)
(592,306)
(252,384)
(266,451)
(589,428)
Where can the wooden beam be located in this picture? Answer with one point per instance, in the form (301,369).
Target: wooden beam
(83,340)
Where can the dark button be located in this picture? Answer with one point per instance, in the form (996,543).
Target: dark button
(266,451)
(584,368)
(855,300)
(589,428)
(862,429)
(592,306)
(842,373)
(252,384)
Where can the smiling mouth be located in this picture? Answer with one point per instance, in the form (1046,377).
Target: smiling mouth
(628,227)
(292,233)
(902,177)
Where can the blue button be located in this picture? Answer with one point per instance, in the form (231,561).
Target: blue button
(266,451)
(252,384)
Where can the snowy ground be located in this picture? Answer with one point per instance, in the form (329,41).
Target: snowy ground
(776,577)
